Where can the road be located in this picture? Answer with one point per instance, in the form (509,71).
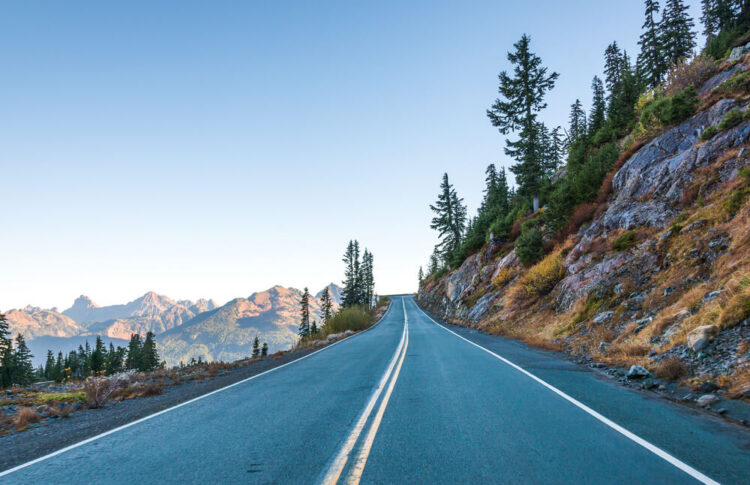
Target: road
(411,401)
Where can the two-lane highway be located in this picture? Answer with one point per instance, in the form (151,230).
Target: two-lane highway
(408,401)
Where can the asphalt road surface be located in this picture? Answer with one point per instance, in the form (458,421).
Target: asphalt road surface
(411,401)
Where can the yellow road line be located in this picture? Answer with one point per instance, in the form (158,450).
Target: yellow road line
(339,462)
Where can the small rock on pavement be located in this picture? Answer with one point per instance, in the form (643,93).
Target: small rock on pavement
(707,400)
(637,372)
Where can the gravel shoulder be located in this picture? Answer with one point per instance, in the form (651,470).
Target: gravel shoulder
(54,434)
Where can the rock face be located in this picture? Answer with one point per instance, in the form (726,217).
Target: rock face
(673,194)
(651,182)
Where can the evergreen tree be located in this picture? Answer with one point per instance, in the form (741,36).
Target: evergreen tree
(557,155)
(133,359)
(6,352)
(304,324)
(598,106)
(420,276)
(449,220)
(98,357)
(677,36)
(720,15)
(314,327)
(522,99)
(651,63)
(256,347)
(59,371)
(49,366)
(23,371)
(434,262)
(149,354)
(352,285)
(577,120)
(264,349)
(367,280)
(326,306)
(612,67)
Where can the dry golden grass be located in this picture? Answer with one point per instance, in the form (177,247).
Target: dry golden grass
(25,416)
(671,368)
(539,279)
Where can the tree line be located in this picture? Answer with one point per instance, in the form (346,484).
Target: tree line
(16,361)
(587,148)
(358,291)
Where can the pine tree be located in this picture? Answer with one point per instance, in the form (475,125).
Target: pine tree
(522,99)
(149,354)
(449,220)
(598,107)
(352,284)
(326,306)
(577,120)
(59,371)
(264,349)
(304,324)
(256,347)
(98,357)
(677,36)
(434,262)
(367,279)
(557,156)
(133,360)
(612,67)
(651,64)
(49,365)
(23,372)
(314,327)
(420,276)
(6,353)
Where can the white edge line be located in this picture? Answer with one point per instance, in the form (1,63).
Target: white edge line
(628,434)
(337,463)
(164,411)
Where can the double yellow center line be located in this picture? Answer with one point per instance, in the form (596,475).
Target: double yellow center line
(388,379)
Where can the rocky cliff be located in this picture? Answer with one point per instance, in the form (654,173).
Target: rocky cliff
(659,277)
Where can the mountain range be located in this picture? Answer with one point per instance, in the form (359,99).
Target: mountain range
(184,328)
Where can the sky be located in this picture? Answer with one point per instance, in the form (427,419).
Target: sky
(215,149)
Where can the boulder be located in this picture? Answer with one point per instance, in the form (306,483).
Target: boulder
(603,316)
(637,372)
(698,338)
(707,400)
(738,52)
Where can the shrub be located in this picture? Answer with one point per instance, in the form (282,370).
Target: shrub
(686,74)
(99,390)
(352,318)
(719,46)
(624,241)
(664,111)
(739,84)
(504,275)
(542,277)
(25,416)
(709,133)
(671,368)
(529,246)
(731,119)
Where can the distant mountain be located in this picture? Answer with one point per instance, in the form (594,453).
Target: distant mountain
(227,332)
(35,322)
(150,313)
(335,291)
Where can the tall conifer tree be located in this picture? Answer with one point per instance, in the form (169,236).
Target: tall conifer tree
(651,63)
(677,36)
(304,323)
(522,98)
(449,220)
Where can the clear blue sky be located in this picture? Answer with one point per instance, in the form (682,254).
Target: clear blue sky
(212,149)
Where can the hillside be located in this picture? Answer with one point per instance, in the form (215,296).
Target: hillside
(226,333)
(655,272)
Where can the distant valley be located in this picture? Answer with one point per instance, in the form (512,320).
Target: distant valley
(184,329)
